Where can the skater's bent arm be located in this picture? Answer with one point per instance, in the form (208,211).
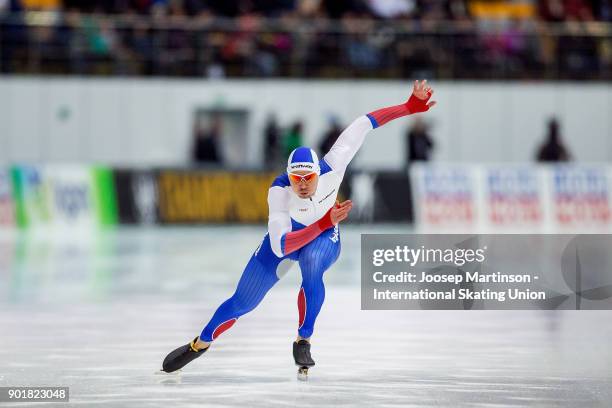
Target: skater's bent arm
(283,241)
(279,221)
(351,139)
(292,241)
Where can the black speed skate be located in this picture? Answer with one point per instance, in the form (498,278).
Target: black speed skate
(303,359)
(181,356)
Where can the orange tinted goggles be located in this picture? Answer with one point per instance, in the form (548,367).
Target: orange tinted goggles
(296,178)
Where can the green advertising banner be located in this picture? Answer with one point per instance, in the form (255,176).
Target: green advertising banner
(64,196)
(105,199)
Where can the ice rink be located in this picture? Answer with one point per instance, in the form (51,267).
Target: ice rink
(98,313)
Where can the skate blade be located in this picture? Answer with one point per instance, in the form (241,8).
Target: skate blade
(174,373)
(302,374)
(173,378)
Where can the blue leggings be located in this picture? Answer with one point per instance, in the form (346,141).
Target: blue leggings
(264,270)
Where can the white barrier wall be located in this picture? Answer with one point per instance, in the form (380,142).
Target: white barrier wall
(139,121)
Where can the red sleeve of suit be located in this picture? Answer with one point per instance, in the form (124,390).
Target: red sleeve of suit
(412,105)
(292,241)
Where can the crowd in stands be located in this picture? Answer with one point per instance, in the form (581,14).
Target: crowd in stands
(487,39)
(547,10)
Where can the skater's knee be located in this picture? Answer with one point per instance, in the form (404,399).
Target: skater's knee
(310,258)
(313,283)
(317,262)
(240,305)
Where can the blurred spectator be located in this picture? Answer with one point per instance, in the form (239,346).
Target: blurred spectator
(195,7)
(330,136)
(579,10)
(206,141)
(275,8)
(13,34)
(457,10)
(418,142)
(309,8)
(553,149)
(561,10)
(574,53)
(292,139)
(248,51)
(552,10)
(338,8)
(177,53)
(362,49)
(362,195)
(429,10)
(271,138)
(507,46)
(100,36)
(143,49)
(392,8)
(604,10)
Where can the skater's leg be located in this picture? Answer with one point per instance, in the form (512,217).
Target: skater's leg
(255,282)
(261,273)
(257,279)
(315,259)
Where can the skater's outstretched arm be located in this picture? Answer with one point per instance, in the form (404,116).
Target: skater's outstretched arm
(351,139)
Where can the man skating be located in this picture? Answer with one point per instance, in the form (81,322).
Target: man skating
(302,227)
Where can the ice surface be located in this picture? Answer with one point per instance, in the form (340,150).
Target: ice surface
(99,312)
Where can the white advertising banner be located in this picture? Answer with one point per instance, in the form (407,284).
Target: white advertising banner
(525,198)
(445,197)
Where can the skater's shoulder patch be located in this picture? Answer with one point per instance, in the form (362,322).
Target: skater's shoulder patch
(281,181)
(325,167)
